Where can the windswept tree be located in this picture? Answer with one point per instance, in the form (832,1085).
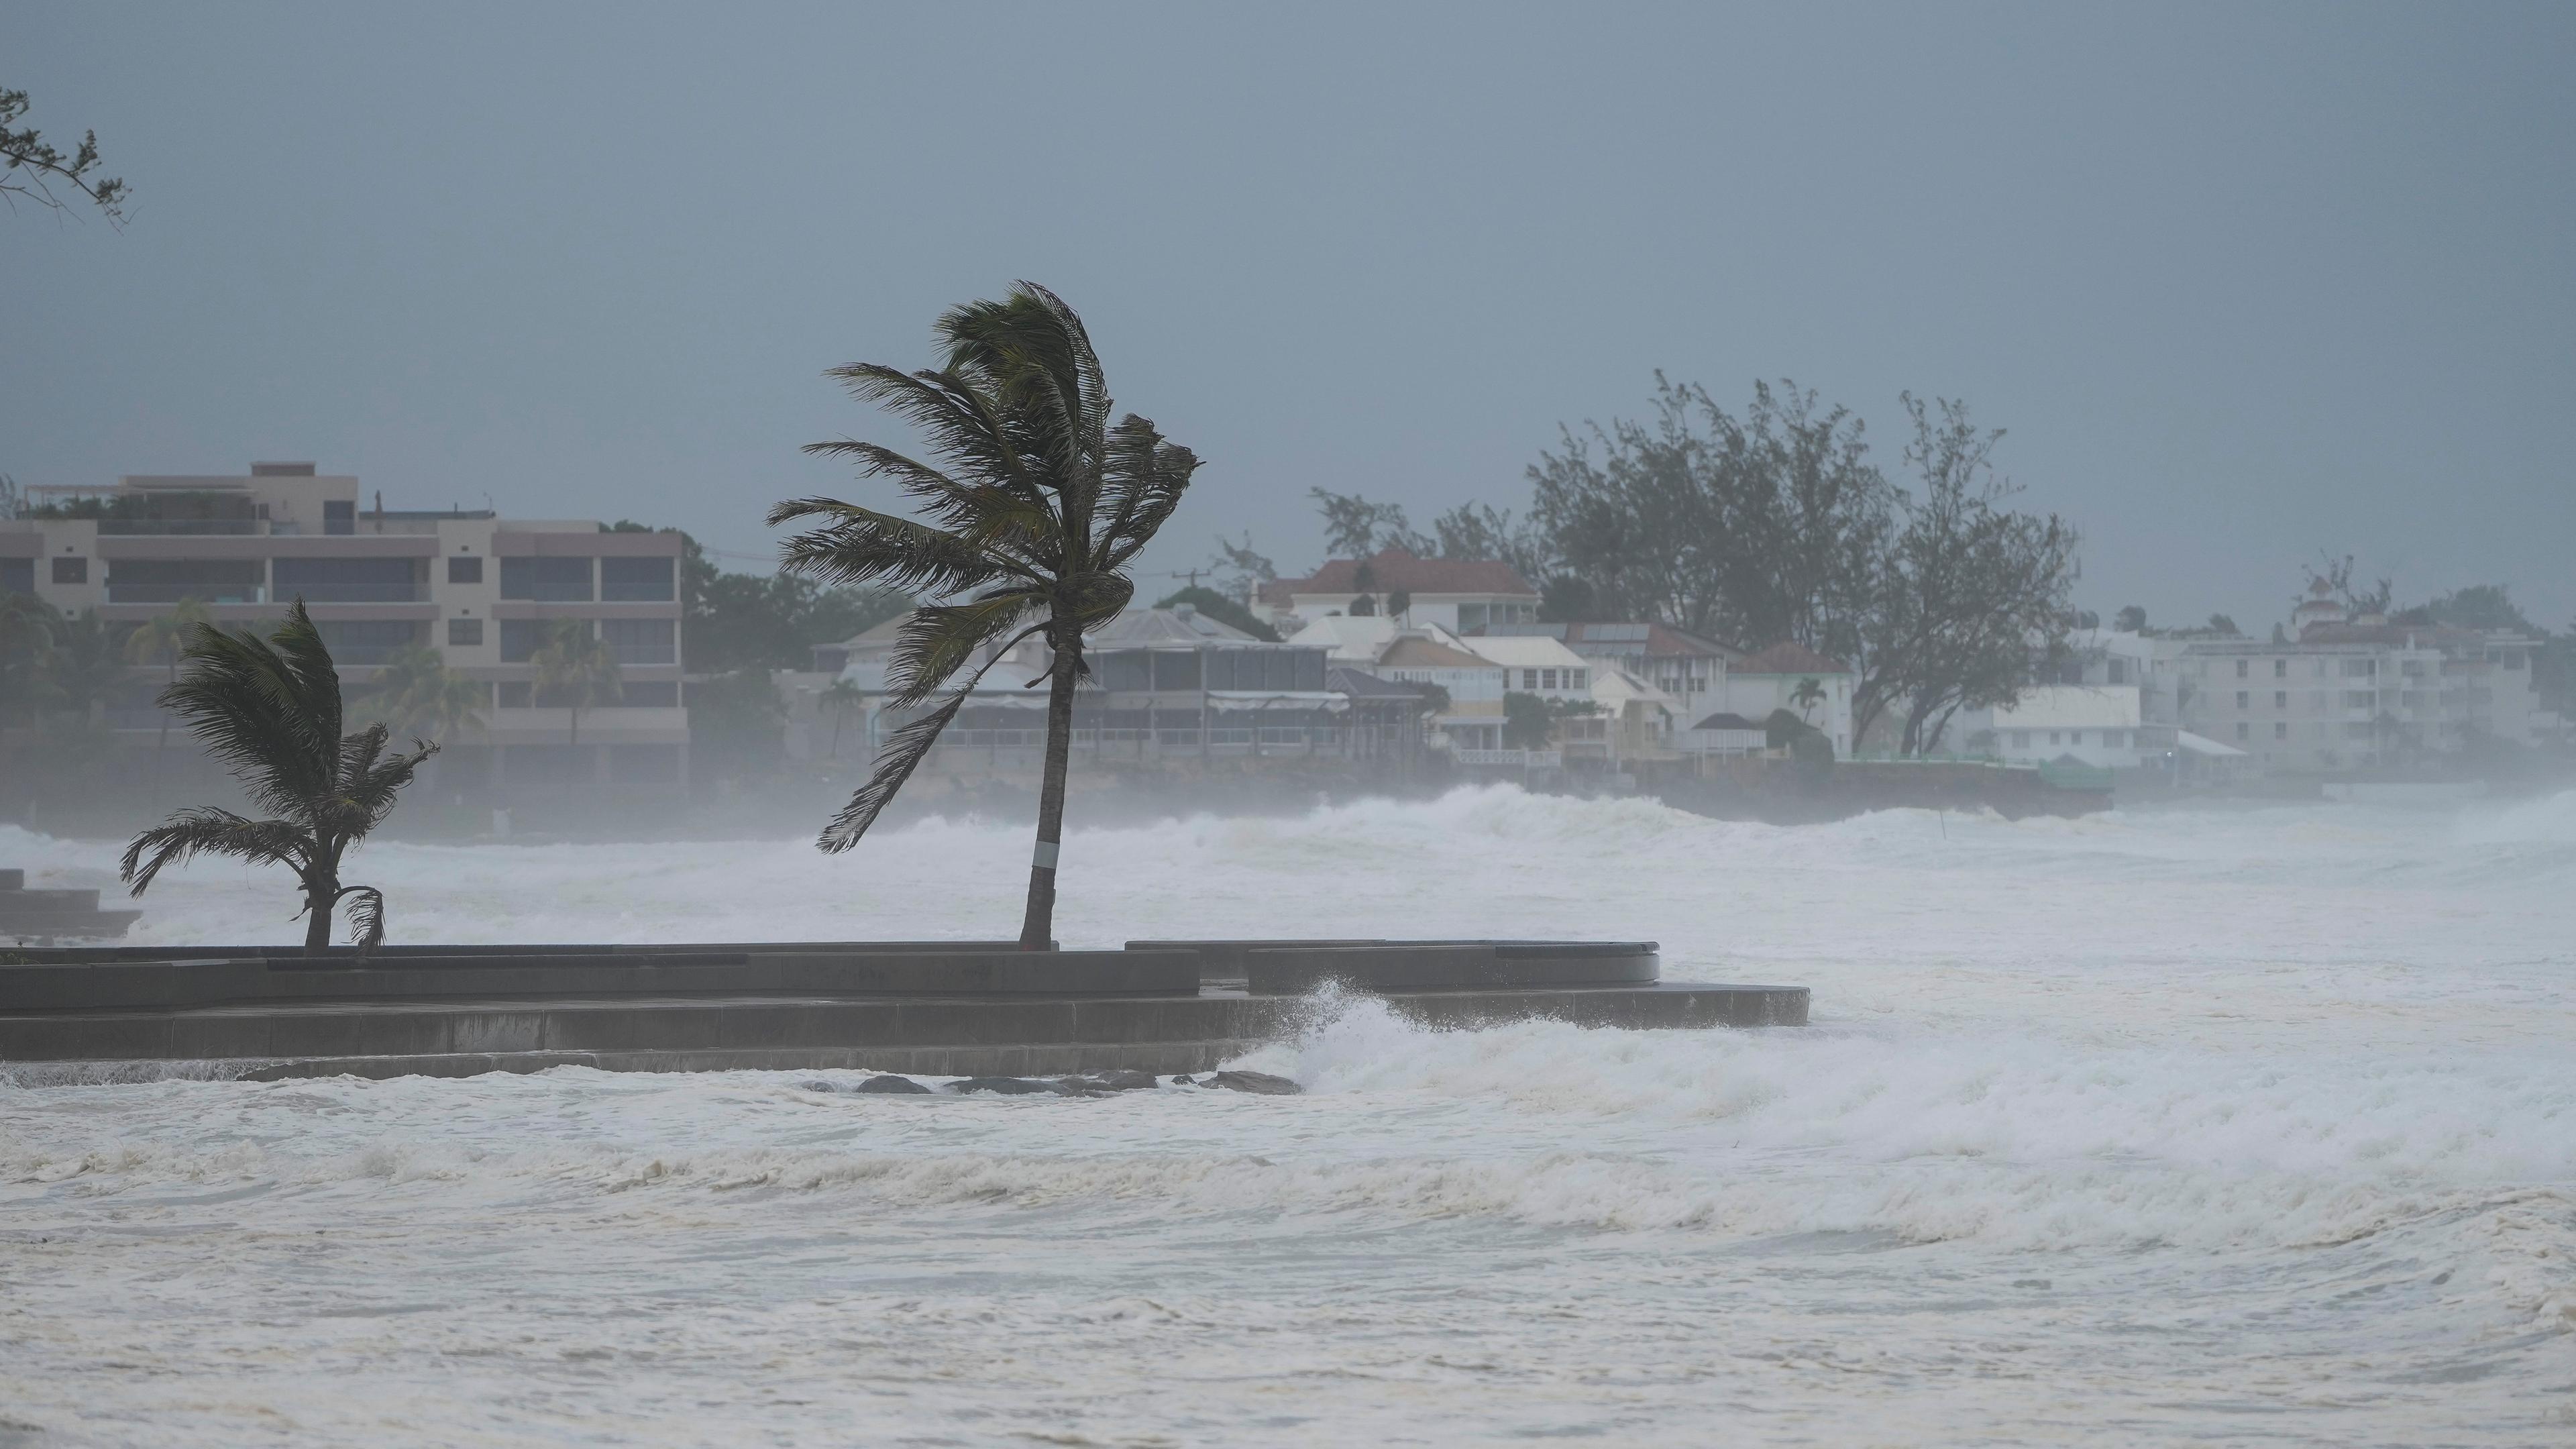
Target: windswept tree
(1036,505)
(31,166)
(270,710)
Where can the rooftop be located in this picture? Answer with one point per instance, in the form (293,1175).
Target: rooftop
(1414,652)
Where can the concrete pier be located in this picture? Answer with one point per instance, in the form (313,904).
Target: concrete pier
(935,1009)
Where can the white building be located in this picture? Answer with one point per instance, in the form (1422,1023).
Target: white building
(1459,595)
(1775,679)
(1536,664)
(1474,718)
(481,592)
(2358,694)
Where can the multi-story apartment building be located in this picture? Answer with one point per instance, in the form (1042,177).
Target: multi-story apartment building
(2358,693)
(480,590)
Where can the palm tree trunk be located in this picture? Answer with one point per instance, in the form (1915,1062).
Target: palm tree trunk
(317,924)
(1037,929)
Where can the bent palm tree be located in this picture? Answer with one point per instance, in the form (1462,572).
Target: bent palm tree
(1039,503)
(270,709)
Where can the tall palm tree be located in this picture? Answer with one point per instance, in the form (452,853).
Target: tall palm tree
(1037,502)
(270,709)
(27,629)
(164,638)
(415,693)
(840,697)
(577,670)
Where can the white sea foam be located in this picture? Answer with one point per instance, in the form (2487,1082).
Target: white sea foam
(2216,1124)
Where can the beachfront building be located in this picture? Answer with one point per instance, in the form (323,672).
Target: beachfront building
(480,591)
(1686,666)
(1460,595)
(2342,694)
(1471,723)
(1775,679)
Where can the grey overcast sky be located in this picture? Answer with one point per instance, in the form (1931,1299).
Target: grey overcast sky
(2243,282)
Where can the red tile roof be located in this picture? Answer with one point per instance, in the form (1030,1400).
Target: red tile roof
(1789,657)
(1396,569)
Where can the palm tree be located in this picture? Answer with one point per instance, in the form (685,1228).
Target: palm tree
(1038,505)
(164,638)
(270,709)
(1807,696)
(840,697)
(27,629)
(576,670)
(416,693)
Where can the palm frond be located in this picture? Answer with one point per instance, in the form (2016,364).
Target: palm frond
(209,831)
(937,640)
(1142,483)
(369,780)
(945,409)
(366,917)
(866,547)
(236,696)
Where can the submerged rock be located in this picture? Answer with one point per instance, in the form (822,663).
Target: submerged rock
(891,1083)
(1259,1082)
(1009,1086)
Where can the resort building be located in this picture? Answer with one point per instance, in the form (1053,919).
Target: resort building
(2343,694)
(481,592)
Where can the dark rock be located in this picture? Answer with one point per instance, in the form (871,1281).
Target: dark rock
(1260,1082)
(1009,1086)
(1121,1081)
(891,1083)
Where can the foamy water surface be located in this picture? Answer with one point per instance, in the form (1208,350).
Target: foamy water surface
(2216,1125)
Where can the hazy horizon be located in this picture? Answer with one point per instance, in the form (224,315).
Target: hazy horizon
(2242,285)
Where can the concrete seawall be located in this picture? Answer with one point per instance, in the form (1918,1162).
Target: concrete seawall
(962,1010)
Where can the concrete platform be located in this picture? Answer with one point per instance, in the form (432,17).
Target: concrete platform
(940,1009)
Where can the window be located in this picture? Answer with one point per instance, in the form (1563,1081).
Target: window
(2244,731)
(1574,678)
(2359,699)
(635,579)
(2280,699)
(546,580)
(168,580)
(464,570)
(2240,668)
(2280,731)
(2052,737)
(522,638)
(464,633)
(71,571)
(1547,679)
(641,641)
(17,576)
(651,694)
(2244,700)
(2360,668)
(2115,739)
(2021,739)
(1529,681)
(348,580)
(1130,669)
(367,641)
(1176,670)
(339,515)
